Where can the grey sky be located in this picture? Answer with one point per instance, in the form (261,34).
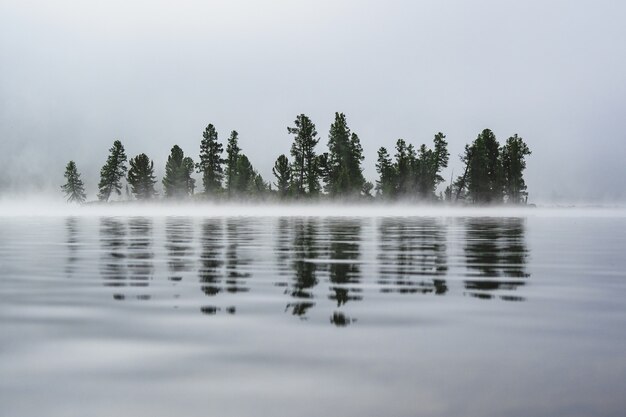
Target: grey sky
(74,76)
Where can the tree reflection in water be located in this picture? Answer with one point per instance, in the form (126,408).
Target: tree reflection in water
(412,256)
(72,243)
(178,243)
(305,252)
(211,261)
(496,255)
(344,268)
(239,233)
(113,254)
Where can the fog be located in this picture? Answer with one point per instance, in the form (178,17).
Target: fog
(44,207)
(77,75)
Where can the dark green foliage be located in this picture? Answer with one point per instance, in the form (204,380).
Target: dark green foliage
(282,172)
(232,152)
(141,177)
(483,176)
(427,167)
(513,154)
(189,166)
(367,189)
(73,188)
(305,169)
(178,182)
(260,187)
(342,170)
(246,174)
(404,165)
(112,172)
(211,161)
(413,174)
(386,184)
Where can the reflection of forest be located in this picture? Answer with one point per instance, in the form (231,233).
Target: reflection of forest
(71,227)
(140,255)
(412,256)
(127,260)
(178,243)
(495,253)
(239,233)
(113,244)
(344,269)
(211,261)
(305,249)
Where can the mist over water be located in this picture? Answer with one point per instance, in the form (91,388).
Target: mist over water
(227,310)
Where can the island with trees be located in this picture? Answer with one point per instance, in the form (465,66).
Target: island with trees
(492,172)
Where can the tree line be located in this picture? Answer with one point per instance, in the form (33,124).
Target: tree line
(492,173)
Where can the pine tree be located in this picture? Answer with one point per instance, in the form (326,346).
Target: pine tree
(112,172)
(211,161)
(177,182)
(282,172)
(483,173)
(246,174)
(513,155)
(405,161)
(343,172)
(232,152)
(189,166)
(141,177)
(387,183)
(73,188)
(305,163)
(427,167)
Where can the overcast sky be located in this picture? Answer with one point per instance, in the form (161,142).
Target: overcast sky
(75,75)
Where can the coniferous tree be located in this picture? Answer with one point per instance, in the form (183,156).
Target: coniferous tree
(177,182)
(211,161)
(483,173)
(73,188)
(141,177)
(387,182)
(305,164)
(405,160)
(427,167)
(342,169)
(513,154)
(112,172)
(282,172)
(232,152)
(189,166)
(246,175)
(367,189)
(260,187)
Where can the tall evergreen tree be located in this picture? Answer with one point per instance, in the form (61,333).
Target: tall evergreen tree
(211,161)
(427,167)
(305,163)
(343,172)
(483,173)
(189,166)
(232,152)
(177,182)
(282,172)
(112,172)
(405,160)
(73,188)
(246,175)
(513,155)
(387,182)
(141,177)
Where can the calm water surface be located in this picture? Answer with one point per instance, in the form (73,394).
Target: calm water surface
(312,316)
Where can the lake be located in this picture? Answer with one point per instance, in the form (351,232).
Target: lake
(271,315)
